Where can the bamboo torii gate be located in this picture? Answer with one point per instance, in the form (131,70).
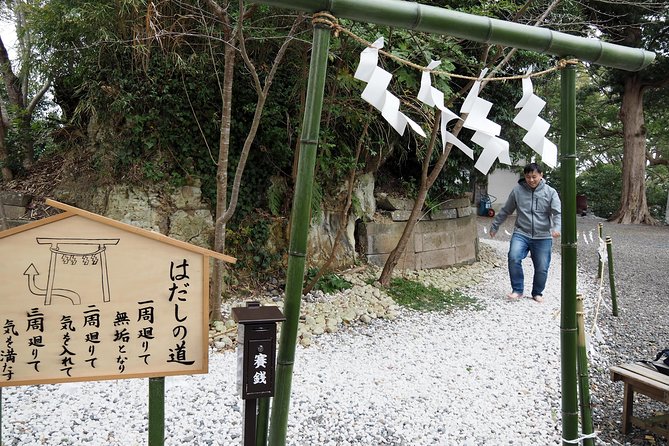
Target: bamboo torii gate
(415,16)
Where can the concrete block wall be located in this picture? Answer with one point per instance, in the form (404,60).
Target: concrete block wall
(447,238)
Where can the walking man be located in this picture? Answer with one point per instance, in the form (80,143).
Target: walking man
(538,221)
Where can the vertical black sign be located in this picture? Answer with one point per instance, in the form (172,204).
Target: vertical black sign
(259,360)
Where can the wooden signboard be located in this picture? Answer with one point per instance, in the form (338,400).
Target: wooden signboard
(84,297)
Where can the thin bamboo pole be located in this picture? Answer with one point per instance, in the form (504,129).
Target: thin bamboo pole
(612,282)
(568,331)
(583,376)
(298,238)
(433,19)
(156,411)
(600,263)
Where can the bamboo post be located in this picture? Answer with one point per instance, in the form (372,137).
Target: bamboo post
(568,329)
(299,221)
(600,263)
(583,376)
(157,411)
(612,282)
(446,21)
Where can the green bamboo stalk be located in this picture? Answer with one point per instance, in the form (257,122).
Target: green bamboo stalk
(157,411)
(612,282)
(600,263)
(433,19)
(583,376)
(262,421)
(298,237)
(568,330)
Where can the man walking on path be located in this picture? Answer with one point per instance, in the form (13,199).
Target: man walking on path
(538,220)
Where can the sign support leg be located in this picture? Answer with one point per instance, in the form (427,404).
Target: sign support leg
(250,406)
(262,422)
(156,411)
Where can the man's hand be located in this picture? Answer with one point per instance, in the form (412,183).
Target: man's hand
(555,234)
(492,233)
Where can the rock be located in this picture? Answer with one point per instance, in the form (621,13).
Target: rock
(219,325)
(388,203)
(305,340)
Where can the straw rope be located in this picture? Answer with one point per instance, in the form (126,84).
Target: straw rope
(330,21)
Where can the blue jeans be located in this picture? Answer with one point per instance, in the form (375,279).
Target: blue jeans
(540,249)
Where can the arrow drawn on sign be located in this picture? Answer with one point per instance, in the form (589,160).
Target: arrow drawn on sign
(35,289)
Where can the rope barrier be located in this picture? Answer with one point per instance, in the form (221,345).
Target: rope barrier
(329,20)
(578,440)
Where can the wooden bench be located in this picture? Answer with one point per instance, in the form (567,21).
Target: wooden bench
(646,381)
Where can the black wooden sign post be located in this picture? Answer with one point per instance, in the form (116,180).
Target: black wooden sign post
(256,358)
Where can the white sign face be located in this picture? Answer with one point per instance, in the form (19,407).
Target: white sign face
(83,300)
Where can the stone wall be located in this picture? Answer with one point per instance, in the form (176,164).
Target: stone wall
(14,209)
(442,238)
(178,212)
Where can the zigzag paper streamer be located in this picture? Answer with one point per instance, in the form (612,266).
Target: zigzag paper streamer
(528,118)
(435,98)
(486,131)
(376,92)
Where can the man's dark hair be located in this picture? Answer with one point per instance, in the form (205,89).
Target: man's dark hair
(532,167)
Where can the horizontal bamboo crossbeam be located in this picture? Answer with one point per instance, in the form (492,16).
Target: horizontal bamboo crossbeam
(432,19)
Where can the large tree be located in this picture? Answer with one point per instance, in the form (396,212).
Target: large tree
(22,92)
(636,24)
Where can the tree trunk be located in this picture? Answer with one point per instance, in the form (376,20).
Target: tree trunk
(426,182)
(224,209)
(7,174)
(396,253)
(217,287)
(633,206)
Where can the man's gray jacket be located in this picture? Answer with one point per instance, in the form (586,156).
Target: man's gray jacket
(538,211)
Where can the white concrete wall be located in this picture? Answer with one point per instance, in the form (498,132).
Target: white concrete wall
(500,184)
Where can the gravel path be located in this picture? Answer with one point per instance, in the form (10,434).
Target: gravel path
(641,265)
(487,376)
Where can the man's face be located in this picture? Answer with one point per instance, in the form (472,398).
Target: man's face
(533,178)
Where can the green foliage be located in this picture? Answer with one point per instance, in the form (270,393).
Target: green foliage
(657,187)
(329,284)
(419,297)
(277,195)
(316,201)
(150,103)
(248,243)
(602,187)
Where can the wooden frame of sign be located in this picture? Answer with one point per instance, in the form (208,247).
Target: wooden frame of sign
(85,297)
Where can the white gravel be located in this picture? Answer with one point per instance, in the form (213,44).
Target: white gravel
(471,377)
